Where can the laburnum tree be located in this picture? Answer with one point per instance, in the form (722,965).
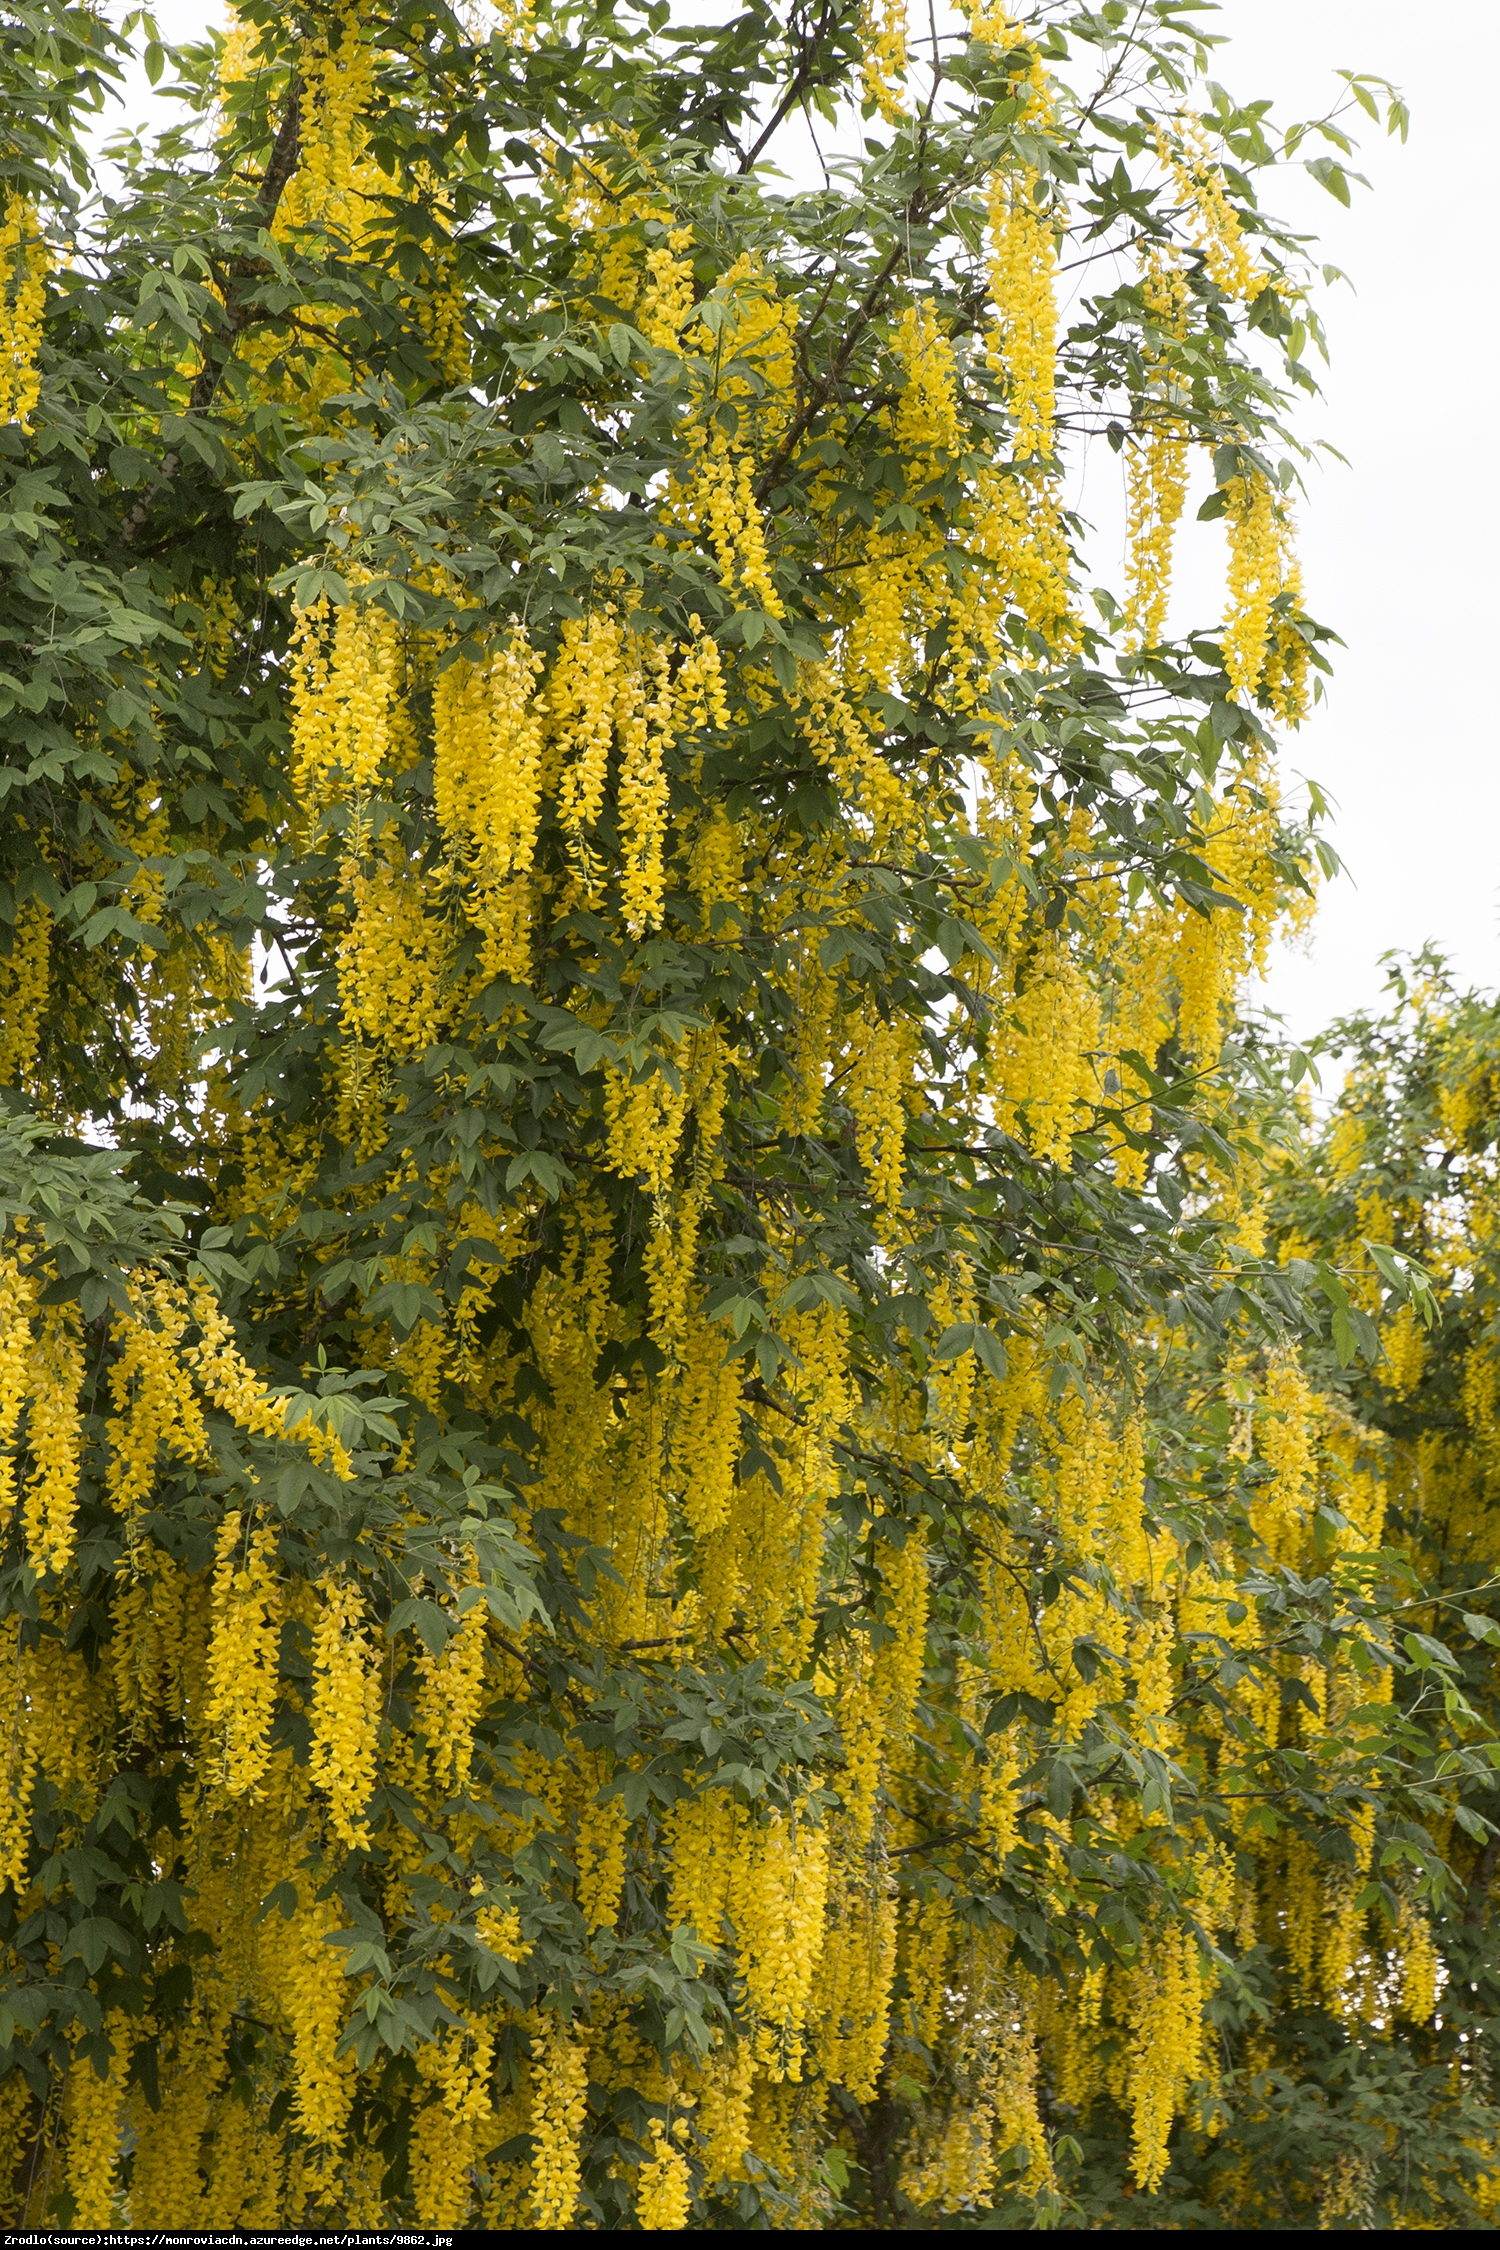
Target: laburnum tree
(694,1533)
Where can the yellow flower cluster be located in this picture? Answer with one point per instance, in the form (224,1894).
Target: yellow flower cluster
(666,299)
(656,289)
(1166,2049)
(771,1880)
(394,962)
(952,2162)
(926,1943)
(1044,1064)
(724,504)
(91,2115)
(926,421)
(339,74)
(1418,1959)
(701,1834)
(224,1375)
(451,1699)
(882,37)
(643,1119)
(559,2103)
(855,1976)
(1255,574)
(346,1703)
(706,1437)
(1022,345)
(602,1828)
(1012,2086)
(499,1928)
(343,673)
(880,1068)
(599,686)
(777,1889)
(837,736)
(487,780)
(440,308)
(896,1674)
(698,690)
(1156,468)
(53,1434)
(724,2110)
(645,733)
(1185,153)
(24,261)
(151,1388)
(486,759)
(1017,522)
(1183,965)
(25,974)
(18,1295)
(210,617)
(663,2195)
(1286,1425)
(313,1996)
(242,1657)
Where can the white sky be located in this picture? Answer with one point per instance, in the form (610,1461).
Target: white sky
(1398,548)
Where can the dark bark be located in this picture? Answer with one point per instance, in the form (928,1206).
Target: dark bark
(877,2131)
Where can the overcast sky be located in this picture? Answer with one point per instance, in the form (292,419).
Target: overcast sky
(1398,548)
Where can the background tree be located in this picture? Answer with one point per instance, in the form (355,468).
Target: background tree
(631,1592)
(1355,2031)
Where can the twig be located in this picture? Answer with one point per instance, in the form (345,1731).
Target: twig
(284,156)
(804,78)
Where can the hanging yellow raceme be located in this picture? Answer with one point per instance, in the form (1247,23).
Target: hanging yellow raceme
(25,977)
(345,1710)
(339,75)
(1165,2015)
(343,668)
(559,2102)
(1255,556)
(882,34)
(1022,346)
(18,1297)
(55,1379)
(1184,152)
(778,1885)
(24,263)
(1018,524)
(1156,467)
(242,1663)
(394,960)
(590,682)
(645,739)
(486,762)
(664,2196)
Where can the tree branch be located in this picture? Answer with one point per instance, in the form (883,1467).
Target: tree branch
(803,79)
(285,152)
(802,420)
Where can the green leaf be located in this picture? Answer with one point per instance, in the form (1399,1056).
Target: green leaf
(955,1340)
(430,1622)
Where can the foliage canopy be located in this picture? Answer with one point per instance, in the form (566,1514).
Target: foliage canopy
(695,1478)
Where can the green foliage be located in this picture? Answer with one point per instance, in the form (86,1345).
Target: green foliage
(245,413)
